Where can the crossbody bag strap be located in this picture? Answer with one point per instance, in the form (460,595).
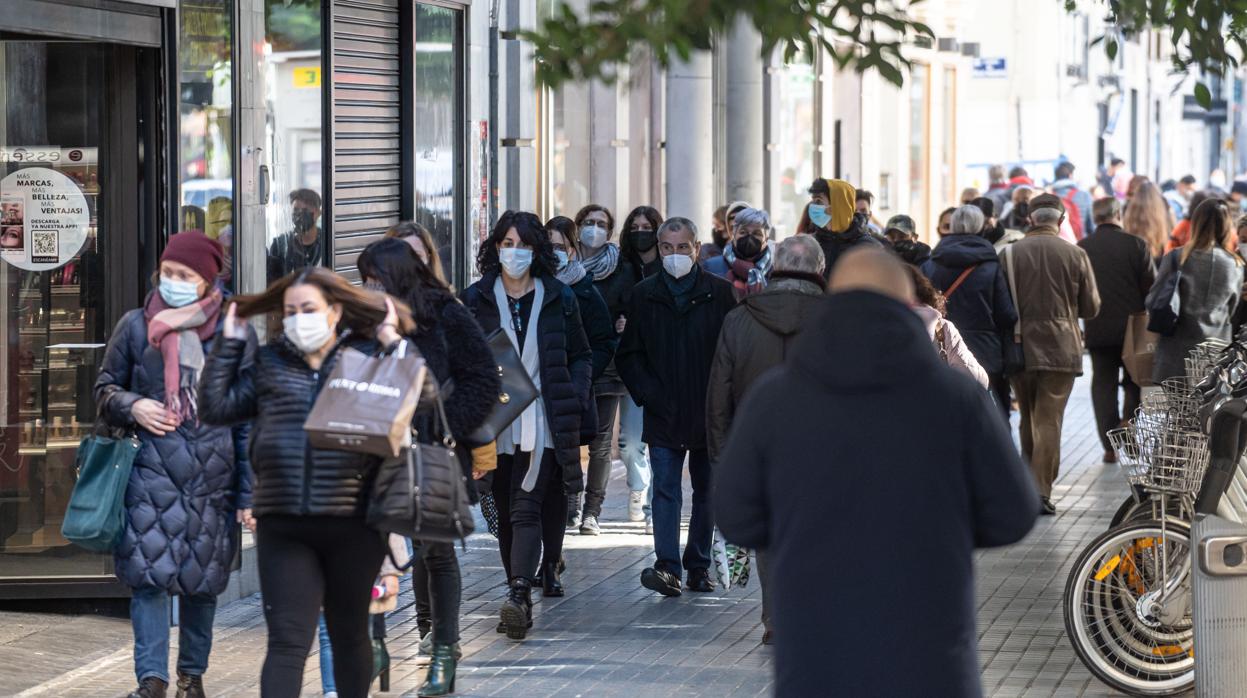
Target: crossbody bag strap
(960,280)
(1013,291)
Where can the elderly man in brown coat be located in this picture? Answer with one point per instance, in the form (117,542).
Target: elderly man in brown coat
(757,335)
(1053,285)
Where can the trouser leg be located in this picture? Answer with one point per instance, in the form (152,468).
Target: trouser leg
(1052,394)
(600,460)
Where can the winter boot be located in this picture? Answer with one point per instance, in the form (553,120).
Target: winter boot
(517,610)
(440,680)
(150,687)
(190,686)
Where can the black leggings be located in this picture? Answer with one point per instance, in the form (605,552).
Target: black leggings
(438,586)
(525,518)
(306,563)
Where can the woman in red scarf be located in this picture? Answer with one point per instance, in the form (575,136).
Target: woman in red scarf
(746,260)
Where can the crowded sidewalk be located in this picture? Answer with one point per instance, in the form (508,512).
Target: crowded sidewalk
(608,636)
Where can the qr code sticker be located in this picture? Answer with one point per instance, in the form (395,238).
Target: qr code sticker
(44,247)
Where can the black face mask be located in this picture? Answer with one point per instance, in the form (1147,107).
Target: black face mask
(719,237)
(748,247)
(1021,212)
(644,240)
(302,219)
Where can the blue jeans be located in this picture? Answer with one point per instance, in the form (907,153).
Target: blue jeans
(668,465)
(149,615)
(326,659)
(632,448)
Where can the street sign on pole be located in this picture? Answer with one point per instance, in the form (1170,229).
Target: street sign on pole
(1191,111)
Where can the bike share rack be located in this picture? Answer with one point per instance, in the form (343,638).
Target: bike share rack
(1219,552)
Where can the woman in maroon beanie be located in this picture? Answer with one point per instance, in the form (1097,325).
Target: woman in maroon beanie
(191,482)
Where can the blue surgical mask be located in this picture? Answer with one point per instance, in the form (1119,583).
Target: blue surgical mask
(563,259)
(819,216)
(515,261)
(178,293)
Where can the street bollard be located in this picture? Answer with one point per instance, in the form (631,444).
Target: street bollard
(1219,606)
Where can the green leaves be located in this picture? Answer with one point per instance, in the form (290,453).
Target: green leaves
(862,34)
(1203,96)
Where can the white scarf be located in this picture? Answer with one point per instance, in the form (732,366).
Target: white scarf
(531,432)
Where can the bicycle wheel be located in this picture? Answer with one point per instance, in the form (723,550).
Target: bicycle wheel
(1133,510)
(1104,602)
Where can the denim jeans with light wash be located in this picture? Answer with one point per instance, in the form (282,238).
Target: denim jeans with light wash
(668,466)
(632,449)
(327,685)
(149,615)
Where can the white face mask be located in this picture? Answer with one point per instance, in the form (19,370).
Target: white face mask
(308,331)
(592,237)
(563,259)
(677,265)
(515,261)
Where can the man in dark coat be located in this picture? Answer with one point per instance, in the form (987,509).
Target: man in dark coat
(756,337)
(1124,271)
(674,319)
(873,512)
(965,267)
(837,225)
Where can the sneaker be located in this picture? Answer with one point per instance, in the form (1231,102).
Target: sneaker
(426,644)
(1046,507)
(649,525)
(662,582)
(699,580)
(590,527)
(636,506)
(573,511)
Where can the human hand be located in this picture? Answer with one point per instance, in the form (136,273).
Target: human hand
(387,330)
(245,518)
(235,327)
(477,473)
(391,586)
(153,416)
(620,324)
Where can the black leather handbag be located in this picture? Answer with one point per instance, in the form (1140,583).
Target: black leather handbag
(515,395)
(423,493)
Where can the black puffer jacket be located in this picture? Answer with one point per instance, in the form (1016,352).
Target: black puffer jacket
(981,307)
(598,325)
(666,354)
(180,533)
(277,392)
(566,360)
(836,244)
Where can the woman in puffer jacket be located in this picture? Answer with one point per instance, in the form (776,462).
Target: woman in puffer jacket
(191,483)
(313,545)
(944,335)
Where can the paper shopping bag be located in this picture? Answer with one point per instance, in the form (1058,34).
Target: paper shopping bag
(1139,350)
(367,403)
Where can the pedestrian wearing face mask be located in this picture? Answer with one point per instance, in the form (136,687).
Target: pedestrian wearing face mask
(313,546)
(746,261)
(191,481)
(600,331)
(837,225)
(303,245)
(665,357)
(519,294)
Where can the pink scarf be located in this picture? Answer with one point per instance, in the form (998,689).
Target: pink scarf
(179,334)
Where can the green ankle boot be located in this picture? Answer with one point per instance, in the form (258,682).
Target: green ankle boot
(441,678)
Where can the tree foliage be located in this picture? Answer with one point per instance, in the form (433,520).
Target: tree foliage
(1208,36)
(863,34)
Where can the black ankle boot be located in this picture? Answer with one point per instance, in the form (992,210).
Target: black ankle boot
(551,584)
(190,686)
(517,610)
(150,687)
(441,677)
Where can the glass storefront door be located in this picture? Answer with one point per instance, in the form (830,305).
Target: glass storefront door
(56,114)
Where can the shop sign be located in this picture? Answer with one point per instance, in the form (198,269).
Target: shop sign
(43,219)
(991,68)
(306,77)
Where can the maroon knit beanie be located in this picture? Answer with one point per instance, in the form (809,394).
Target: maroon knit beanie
(197,251)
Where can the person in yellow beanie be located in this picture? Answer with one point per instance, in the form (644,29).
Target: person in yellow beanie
(833,216)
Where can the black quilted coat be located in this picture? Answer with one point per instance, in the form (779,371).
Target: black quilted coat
(277,392)
(566,360)
(180,532)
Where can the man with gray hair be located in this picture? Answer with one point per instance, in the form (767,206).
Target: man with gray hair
(746,260)
(965,268)
(1124,271)
(757,336)
(674,318)
(1053,285)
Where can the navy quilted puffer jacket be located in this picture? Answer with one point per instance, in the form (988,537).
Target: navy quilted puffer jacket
(180,534)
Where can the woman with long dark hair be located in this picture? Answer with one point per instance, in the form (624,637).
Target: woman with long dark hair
(1211,286)
(600,330)
(468,377)
(313,546)
(519,294)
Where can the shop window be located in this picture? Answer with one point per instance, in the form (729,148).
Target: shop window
(793,115)
(205,49)
(919,142)
(438,139)
(294,229)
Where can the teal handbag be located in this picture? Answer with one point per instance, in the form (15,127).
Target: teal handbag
(96,512)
